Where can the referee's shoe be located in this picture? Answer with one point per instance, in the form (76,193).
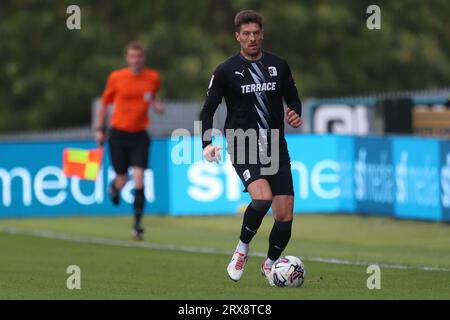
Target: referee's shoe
(137,233)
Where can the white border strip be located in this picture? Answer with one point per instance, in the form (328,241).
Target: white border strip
(173,247)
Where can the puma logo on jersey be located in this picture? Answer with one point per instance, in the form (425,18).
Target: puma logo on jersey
(240,73)
(258,87)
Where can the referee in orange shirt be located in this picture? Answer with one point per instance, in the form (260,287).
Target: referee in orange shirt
(132,91)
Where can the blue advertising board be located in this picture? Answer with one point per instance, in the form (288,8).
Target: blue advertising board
(316,172)
(373,176)
(445,180)
(397,176)
(416,162)
(32,183)
(200,187)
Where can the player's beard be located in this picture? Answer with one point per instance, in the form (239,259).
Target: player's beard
(253,52)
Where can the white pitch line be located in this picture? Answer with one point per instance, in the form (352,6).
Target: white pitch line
(173,247)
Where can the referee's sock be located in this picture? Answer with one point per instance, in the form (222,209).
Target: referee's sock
(253,217)
(114,193)
(279,238)
(138,205)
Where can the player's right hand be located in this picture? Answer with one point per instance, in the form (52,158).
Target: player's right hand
(100,137)
(212,153)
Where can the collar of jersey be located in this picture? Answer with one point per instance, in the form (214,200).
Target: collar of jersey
(251,61)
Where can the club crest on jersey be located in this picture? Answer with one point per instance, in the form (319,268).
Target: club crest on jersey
(148,96)
(273,71)
(246,174)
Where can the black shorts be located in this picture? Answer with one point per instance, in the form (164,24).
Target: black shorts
(280,182)
(128,150)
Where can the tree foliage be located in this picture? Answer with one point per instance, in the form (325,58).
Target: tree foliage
(49,74)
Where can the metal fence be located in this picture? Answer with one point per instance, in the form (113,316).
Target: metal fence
(182,114)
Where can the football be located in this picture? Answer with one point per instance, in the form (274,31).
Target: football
(288,271)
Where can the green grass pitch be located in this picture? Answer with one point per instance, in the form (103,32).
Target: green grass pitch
(186,258)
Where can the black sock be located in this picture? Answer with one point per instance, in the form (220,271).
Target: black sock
(139,202)
(253,217)
(114,187)
(279,238)
(114,192)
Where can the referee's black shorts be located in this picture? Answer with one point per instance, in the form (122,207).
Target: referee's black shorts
(128,150)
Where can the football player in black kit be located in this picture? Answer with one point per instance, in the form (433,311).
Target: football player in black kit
(254,83)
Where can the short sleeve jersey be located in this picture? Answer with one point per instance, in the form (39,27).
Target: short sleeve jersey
(131,94)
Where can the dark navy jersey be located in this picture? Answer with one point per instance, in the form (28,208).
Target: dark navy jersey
(253,92)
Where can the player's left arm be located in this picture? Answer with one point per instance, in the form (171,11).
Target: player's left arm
(290,95)
(157,106)
(154,103)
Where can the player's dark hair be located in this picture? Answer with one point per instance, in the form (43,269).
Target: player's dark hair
(247,16)
(136,46)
